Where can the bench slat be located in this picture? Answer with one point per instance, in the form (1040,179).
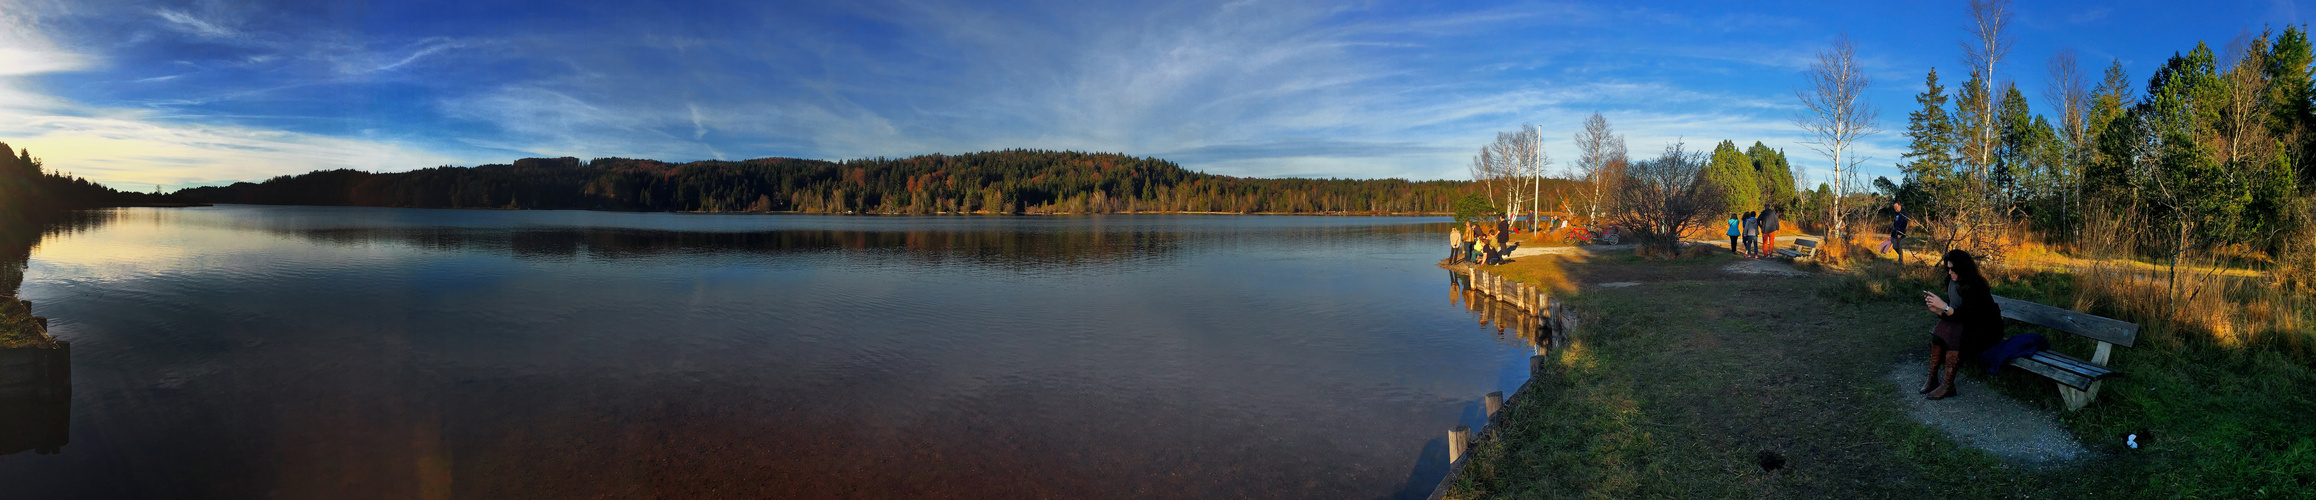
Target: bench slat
(2114,331)
(2071,364)
(2063,376)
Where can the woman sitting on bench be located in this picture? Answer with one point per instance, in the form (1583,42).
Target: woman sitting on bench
(1968,321)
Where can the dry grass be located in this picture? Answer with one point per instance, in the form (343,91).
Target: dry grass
(16,325)
(2229,311)
(1548,271)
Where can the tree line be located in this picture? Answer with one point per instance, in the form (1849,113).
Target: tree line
(29,191)
(2215,151)
(1657,200)
(1019,181)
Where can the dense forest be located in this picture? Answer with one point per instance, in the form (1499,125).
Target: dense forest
(28,191)
(2216,152)
(1012,181)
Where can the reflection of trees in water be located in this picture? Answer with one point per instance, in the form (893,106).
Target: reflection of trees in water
(35,388)
(989,247)
(1500,316)
(20,233)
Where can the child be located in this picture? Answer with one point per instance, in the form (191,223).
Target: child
(1733,233)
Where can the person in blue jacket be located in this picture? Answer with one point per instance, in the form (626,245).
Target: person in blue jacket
(1735,230)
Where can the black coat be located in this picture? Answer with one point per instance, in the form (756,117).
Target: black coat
(1980,317)
(1769,221)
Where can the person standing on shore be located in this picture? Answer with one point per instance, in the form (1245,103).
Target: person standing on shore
(1503,232)
(1898,220)
(1768,230)
(1735,229)
(1751,234)
(1455,246)
(1471,240)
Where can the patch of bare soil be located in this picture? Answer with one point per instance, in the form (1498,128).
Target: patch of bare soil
(1765,267)
(1984,419)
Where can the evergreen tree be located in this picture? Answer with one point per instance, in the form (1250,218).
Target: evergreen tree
(1929,166)
(2016,176)
(1774,174)
(1731,173)
(2289,93)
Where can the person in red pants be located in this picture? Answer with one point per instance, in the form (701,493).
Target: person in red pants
(1769,231)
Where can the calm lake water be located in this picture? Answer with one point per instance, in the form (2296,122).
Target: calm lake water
(245,351)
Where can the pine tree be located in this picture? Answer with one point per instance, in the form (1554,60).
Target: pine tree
(2289,94)
(1775,176)
(1731,173)
(1929,165)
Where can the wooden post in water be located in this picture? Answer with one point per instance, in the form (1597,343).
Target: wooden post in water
(1495,403)
(1457,440)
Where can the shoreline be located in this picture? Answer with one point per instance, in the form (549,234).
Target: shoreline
(956,214)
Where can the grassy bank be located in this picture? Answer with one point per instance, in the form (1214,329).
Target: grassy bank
(1683,385)
(16,324)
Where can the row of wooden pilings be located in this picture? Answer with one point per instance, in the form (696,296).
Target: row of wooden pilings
(1541,309)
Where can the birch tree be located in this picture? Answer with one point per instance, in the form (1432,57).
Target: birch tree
(1600,163)
(1836,116)
(2069,95)
(1512,169)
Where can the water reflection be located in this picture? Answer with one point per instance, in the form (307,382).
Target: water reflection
(35,380)
(21,233)
(1502,317)
(305,351)
(35,399)
(1003,248)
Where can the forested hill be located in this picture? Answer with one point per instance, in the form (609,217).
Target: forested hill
(1013,181)
(29,191)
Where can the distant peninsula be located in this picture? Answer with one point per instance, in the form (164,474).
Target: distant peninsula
(996,182)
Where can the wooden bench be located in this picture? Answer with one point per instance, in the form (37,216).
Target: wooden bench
(1810,245)
(2078,379)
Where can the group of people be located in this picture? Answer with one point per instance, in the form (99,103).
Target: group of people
(1479,242)
(1753,234)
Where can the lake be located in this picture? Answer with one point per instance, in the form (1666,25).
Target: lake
(244,351)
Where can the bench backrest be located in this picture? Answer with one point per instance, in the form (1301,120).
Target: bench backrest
(2109,330)
(1806,243)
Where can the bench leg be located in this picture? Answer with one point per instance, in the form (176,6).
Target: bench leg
(2075,399)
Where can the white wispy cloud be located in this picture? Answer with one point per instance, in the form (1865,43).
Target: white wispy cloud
(131,148)
(190,24)
(1256,87)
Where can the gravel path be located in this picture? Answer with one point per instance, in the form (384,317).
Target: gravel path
(1982,419)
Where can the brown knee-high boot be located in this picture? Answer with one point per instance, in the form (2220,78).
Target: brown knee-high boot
(1930,382)
(1946,389)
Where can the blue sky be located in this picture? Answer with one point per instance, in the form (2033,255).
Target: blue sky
(141,93)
